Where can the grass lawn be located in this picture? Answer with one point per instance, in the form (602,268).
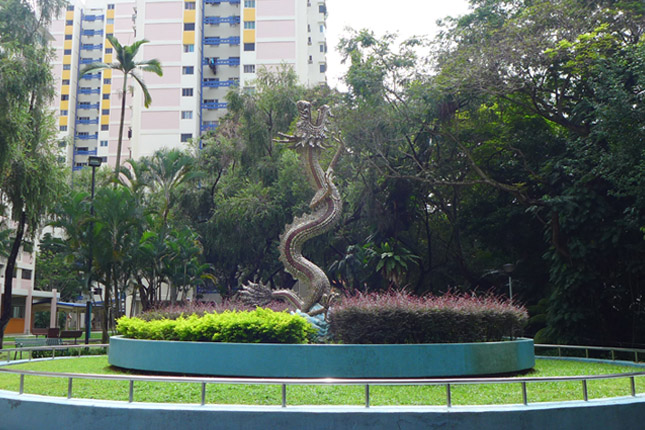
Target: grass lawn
(324,395)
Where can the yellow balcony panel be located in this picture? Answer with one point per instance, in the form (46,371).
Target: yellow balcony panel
(67,59)
(108,44)
(107,58)
(69,15)
(109,29)
(249,36)
(64,89)
(249,15)
(107,73)
(109,13)
(107,89)
(67,44)
(105,104)
(189,16)
(64,105)
(62,120)
(105,119)
(69,29)
(189,38)
(66,74)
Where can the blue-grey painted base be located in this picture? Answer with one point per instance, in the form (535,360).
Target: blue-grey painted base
(36,412)
(323,361)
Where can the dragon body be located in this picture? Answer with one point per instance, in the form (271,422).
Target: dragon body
(309,141)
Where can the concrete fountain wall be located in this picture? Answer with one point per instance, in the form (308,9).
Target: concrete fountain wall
(321,361)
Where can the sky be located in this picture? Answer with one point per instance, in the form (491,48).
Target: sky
(407,17)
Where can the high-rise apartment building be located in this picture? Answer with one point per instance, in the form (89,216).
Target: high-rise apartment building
(205,48)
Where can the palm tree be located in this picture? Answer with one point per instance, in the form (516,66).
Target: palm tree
(126,64)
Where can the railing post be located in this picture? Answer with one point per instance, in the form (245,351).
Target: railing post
(584,390)
(613,355)
(131,391)
(632,383)
(203,393)
(69,388)
(586,352)
(524,396)
(22,384)
(367,395)
(448,396)
(284,395)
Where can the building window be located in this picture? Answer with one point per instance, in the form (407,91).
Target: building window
(108,50)
(249,68)
(68,37)
(67,67)
(188,70)
(110,6)
(64,97)
(105,127)
(65,81)
(187,92)
(105,111)
(249,46)
(189,48)
(185,137)
(26,274)
(63,128)
(109,34)
(323,68)
(62,144)
(107,80)
(249,25)
(309,41)
(63,113)
(189,26)
(186,114)
(322,48)
(69,22)
(322,8)
(70,7)
(189,5)
(106,97)
(104,143)
(109,21)
(67,52)
(249,3)
(322,28)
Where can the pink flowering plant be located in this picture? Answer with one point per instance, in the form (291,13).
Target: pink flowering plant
(398,317)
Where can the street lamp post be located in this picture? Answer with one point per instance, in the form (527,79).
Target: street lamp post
(93,162)
(508,268)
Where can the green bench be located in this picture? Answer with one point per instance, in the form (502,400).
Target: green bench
(29,342)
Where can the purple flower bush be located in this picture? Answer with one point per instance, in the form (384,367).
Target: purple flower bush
(397,317)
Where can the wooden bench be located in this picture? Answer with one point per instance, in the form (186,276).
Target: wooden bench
(71,333)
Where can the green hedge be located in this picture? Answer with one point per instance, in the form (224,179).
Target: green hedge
(258,326)
(397,317)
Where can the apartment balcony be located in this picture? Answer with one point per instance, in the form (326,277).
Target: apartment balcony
(93,17)
(91,76)
(89,60)
(90,46)
(220,84)
(85,152)
(87,121)
(88,106)
(233,40)
(209,126)
(92,32)
(89,91)
(222,1)
(87,136)
(231,61)
(214,105)
(214,20)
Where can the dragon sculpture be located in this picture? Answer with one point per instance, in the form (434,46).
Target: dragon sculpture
(309,141)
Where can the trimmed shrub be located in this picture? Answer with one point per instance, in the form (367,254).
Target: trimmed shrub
(258,326)
(173,312)
(397,317)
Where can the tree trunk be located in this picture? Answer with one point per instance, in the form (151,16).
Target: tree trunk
(105,337)
(6,311)
(120,141)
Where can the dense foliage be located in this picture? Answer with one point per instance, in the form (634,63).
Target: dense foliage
(258,326)
(397,317)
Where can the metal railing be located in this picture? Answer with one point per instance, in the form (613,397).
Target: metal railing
(447,383)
